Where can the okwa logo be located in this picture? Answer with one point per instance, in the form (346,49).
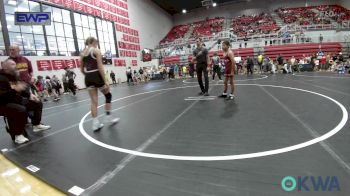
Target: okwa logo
(310,183)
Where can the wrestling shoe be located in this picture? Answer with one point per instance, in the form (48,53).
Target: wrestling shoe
(111,120)
(96,125)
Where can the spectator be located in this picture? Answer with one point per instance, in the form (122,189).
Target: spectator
(250,65)
(323,62)
(65,84)
(328,61)
(302,36)
(273,66)
(215,61)
(71,76)
(164,72)
(112,75)
(129,75)
(280,61)
(294,65)
(141,73)
(51,86)
(266,64)
(285,68)
(171,72)
(16,103)
(313,61)
(334,57)
(260,62)
(58,85)
(23,65)
(341,57)
(136,77)
(40,85)
(184,71)
(245,41)
(176,71)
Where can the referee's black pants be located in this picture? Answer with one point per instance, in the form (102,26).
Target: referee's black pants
(202,68)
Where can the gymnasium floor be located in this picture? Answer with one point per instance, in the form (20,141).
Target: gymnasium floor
(179,144)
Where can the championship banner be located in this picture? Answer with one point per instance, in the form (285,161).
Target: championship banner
(119,63)
(69,4)
(58,64)
(98,13)
(79,7)
(44,65)
(77,63)
(70,64)
(134,62)
(97,3)
(57,2)
(90,10)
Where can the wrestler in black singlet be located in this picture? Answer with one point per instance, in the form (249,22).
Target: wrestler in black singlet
(93,78)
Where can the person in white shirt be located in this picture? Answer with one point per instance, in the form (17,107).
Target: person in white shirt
(285,68)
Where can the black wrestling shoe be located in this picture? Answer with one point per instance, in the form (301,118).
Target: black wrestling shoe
(206,94)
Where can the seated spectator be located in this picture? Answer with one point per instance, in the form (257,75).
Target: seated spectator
(254,25)
(207,28)
(340,13)
(286,68)
(16,104)
(341,57)
(175,33)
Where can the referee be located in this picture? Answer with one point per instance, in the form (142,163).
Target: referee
(200,55)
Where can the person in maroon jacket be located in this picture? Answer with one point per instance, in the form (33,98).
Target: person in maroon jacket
(25,69)
(23,65)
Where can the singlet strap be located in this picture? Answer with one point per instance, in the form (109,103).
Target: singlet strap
(92,53)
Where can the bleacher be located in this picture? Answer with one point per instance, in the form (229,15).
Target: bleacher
(340,13)
(207,27)
(300,16)
(253,25)
(262,24)
(175,33)
(298,50)
(314,14)
(257,27)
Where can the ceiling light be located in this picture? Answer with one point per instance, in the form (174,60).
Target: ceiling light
(22,9)
(184,11)
(11,2)
(214,4)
